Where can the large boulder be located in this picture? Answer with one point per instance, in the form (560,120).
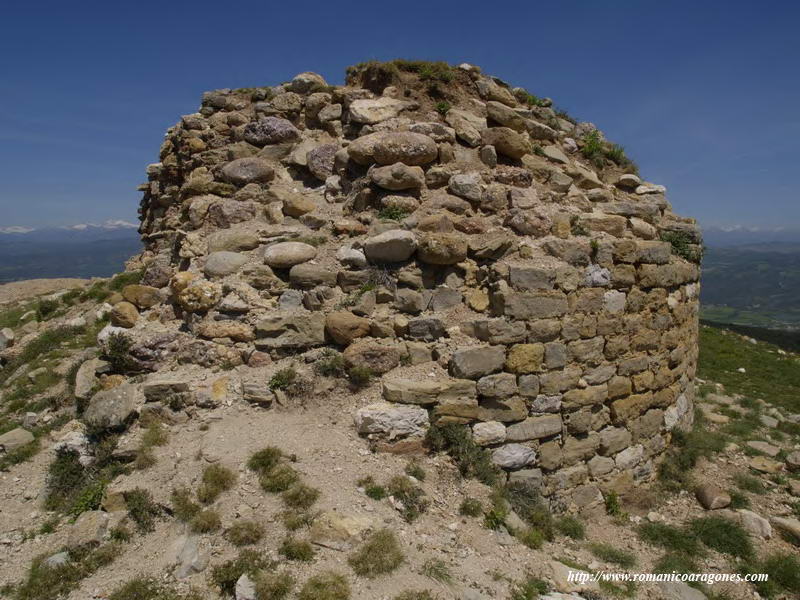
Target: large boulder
(112,409)
(290,331)
(406,147)
(378,357)
(222,263)
(270,130)
(142,296)
(16,438)
(320,160)
(442,248)
(246,170)
(284,255)
(343,327)
(370,111)
(398,177)
(124,314)
(391,419)
(473,363)
(395,245)
(506,141)
(513,456)
(467,125)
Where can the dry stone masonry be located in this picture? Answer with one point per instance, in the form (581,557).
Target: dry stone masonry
(495,263)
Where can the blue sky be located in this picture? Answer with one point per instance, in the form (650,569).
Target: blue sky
(705,96)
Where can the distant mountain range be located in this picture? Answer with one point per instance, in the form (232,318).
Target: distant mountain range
(84,250)
(723,237)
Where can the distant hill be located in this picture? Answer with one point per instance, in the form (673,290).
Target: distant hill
(755,284)
(79,251)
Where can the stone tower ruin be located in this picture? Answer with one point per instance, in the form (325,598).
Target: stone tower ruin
(493,262)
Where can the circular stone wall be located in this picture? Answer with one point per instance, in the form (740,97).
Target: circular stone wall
(495,263)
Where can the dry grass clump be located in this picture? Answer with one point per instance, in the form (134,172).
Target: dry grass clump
(273,586)
(294,549)
(380,553)
(300,496)
(244,533)
(216,479)
(328,585)
(205,521)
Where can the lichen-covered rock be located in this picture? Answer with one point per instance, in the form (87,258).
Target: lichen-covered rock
(112,409)
(442,248)
(124,314)
(405,147)
(199,295)
(270,130)
(391,419)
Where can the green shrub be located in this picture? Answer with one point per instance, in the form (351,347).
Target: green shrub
(66,477)
(49,583)
(379,554)
(282,379)
(182,506)
(331,364)
(294,549)
(528,504)
(472,460)
(682,245)
(279,479)
(680,562)
(372,489)
(264,460)
(443,107)
(393,213)
(437,569)
(45,309)
(120,280)
(226,575)
(748,483)
(118,353)
(409,495)
(416,595)
(141,508)
(738,500)
(532,538)
(147,588)
(327,585)
(686,449)
(610,554)
(670,537)
(415,470)
(471,507)
(529,589)
(784,574)
(571,527)
(273,586)
(244,533)
(216,479)
(294,520)
(723,535)
(360,376)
